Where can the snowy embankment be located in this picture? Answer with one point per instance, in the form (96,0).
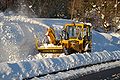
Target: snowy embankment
(81,72)
(105,41)
(28,69)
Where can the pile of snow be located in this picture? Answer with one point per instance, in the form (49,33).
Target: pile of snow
(71,74)
(28,69)
(115,35)
(105,41)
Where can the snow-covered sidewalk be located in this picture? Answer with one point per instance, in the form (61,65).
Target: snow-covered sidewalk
(31,68)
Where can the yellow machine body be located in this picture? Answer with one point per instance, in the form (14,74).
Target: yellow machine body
(75,37)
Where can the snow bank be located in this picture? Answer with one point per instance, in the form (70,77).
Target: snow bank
(25,69)
(104,41)
(115,35)
(71,74)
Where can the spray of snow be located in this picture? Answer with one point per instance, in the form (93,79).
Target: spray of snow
(25,19)
(17,35)
(8,41)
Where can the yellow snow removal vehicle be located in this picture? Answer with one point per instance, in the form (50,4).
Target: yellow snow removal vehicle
(75,37)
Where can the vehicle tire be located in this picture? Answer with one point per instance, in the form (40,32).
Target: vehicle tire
(67,51)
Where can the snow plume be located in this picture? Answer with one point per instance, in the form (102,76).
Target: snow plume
(25,19)
(9,50)
(24,9)
(17,35)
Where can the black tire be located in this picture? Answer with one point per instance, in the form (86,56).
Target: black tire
(67,51)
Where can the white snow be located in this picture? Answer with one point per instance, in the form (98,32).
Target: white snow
(105,41)
(106,47)
(81,71)
(107,36)
(24,19)
(119,26)
(31,68)
(115,35)
(1,14)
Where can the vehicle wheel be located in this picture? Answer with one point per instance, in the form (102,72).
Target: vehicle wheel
(67,51)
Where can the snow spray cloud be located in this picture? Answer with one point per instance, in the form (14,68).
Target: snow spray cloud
(9,51)
(17,35)
(25,19)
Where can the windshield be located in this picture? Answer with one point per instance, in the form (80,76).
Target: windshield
(74,31)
